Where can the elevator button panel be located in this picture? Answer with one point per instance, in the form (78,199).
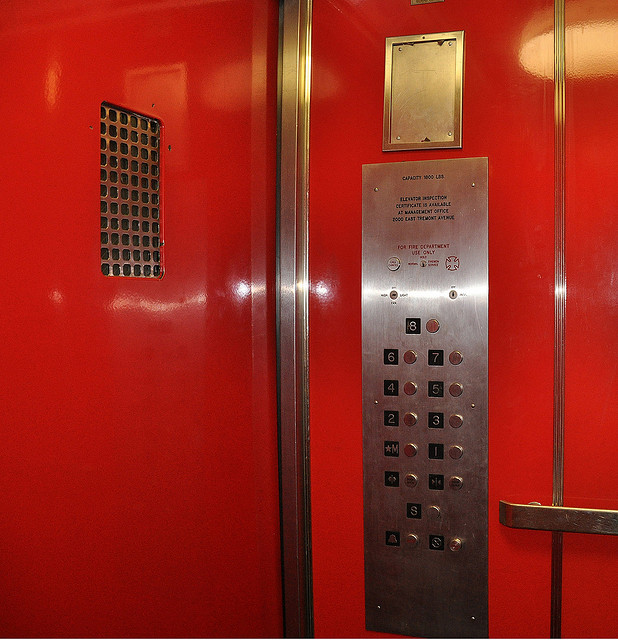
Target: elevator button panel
(425,397)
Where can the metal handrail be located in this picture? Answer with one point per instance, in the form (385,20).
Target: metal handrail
(552,518)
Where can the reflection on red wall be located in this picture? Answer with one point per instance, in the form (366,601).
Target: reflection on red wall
(138,459)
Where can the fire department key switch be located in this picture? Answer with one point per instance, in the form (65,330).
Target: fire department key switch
(424,320)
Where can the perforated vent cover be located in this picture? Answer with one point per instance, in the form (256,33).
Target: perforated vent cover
(131,243)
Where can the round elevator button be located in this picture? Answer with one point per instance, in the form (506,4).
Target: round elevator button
(409,357)
(410,450)
(411,480)
(455,452)
(409,388)
(434,512)
(455,357)
(412,540)
(456,389)
(455,421)
(455,483)
(393,263)
(432,325)
(455,544)
(410,419)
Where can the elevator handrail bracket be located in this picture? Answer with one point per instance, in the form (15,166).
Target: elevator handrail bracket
(551,518)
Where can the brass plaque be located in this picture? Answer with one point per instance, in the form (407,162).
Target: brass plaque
(423,91)
(424,334)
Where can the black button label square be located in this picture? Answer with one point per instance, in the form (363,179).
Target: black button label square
(435,420)
(413,325)
(391,448)
(391,356)
(436,543)
(435,389)
(393,538)
(436,482)
(413,510)
(435,357)
(436,451)
(391,418)
(391,387)
(391,478)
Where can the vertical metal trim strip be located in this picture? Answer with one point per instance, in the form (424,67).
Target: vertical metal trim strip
(560,306)
(294,88)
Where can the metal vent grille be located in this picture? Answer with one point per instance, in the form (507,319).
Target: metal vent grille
(131,243)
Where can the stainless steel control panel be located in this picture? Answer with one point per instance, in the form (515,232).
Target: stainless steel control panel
(425,397)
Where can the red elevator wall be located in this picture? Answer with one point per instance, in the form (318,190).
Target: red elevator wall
(590,562)
(138,463)
(508,117)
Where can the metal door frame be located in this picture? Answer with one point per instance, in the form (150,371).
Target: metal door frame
(294,90)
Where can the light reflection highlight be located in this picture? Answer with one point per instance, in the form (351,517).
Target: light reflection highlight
(52,84)
(322,290)
(123,302)
(56,296)
(591,44)
(243,289)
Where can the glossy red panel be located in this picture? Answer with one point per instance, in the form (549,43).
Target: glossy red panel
(508,117)
(590,569)
(139,460)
